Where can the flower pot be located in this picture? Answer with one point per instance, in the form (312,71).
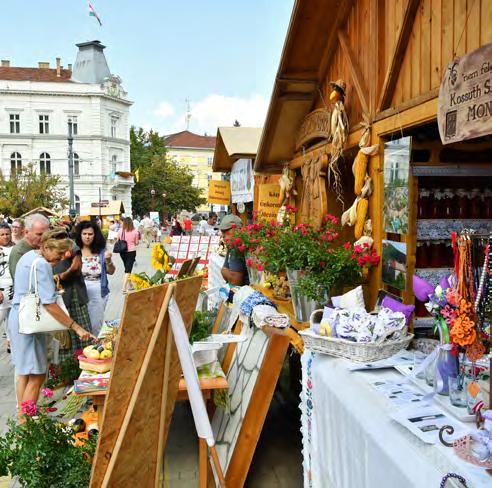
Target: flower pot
(303,306)
(255,276)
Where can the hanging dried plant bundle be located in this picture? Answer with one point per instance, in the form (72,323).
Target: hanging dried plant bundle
(339,132)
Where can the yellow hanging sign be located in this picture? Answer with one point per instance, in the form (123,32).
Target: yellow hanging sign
(219,192)
(268,201)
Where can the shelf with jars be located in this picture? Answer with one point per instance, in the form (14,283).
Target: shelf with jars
(441,229)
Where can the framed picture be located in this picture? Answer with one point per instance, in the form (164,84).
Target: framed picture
(396,173)
(394,260)
(382,294)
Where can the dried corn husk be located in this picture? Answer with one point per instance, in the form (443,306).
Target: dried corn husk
(371,150)
(349,217)
(365,240)
(367,189)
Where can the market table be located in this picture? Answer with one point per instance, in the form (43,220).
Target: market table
(349,439)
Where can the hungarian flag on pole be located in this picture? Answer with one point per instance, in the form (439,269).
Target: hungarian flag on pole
(93,13)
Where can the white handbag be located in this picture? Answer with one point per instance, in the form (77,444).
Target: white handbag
(33,316)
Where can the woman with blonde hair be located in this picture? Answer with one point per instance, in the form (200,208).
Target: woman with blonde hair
(129,234)
(29,351)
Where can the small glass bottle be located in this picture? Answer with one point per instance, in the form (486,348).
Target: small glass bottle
(475,200)
(461,204)
(436,205)
(448,204)
(422,260)
(423,204)
(436,254)
(487,204)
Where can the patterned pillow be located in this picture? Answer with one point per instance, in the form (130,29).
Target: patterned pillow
(353,299)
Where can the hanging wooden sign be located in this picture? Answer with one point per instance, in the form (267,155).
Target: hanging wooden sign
(316,126)
(219,192)
(268,201)
(465,97)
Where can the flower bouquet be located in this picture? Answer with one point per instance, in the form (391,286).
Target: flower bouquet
(457,328)
(161,262)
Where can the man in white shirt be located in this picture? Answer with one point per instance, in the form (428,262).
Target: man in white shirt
(148,226)
(209,227)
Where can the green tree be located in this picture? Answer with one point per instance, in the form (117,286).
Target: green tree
(162,174)
(26,190)
(144,146)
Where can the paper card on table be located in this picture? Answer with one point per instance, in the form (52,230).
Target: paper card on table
(182,255)
(402,357)
(425,423)
(400,394)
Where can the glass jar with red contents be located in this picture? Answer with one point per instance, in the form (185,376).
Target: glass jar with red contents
(461,204)
(422,259)
(448,255)
(436,205)
(475,204)
(448,204)
(423,206)
(436,254)
(420,310)
(487,204)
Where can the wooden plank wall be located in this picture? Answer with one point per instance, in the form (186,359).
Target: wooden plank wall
(442,29)
(440,32)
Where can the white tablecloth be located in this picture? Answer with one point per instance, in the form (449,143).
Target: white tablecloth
(350,441)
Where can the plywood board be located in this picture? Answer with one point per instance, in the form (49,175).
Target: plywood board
(137,461)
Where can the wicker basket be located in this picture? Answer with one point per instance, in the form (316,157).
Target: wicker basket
(362,352)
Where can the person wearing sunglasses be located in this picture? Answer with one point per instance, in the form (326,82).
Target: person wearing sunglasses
(6,285)
(17,230)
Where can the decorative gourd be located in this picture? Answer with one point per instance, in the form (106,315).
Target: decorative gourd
(362,207)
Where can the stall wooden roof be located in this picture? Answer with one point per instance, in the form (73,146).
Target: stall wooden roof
(391,53)
(234,143)
(310,39)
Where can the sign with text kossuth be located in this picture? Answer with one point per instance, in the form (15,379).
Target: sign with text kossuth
(465,97)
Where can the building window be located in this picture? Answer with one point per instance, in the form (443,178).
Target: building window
(114,162)
(76,165)
(45,163)
(44,124)
(77,204)
(75,125)
(209,177)
(14,123)
(210,160)
(15,162)
(114,126)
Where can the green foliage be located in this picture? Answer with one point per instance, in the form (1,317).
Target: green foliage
(157,171)
(41,452)
(26,190)
(201,325)
(64,373)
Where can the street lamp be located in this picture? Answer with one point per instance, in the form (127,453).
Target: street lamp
(152,195)
(71,194)
(164,196)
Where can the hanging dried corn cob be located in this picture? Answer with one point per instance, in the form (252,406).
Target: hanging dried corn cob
(362,207)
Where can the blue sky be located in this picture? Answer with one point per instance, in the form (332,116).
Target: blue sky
(222,55)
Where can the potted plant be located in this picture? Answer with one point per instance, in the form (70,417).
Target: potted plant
(244,241)
(314,259)
(41,452)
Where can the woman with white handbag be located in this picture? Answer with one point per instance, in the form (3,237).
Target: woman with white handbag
(37,308)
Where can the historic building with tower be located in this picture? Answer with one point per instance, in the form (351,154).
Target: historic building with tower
(36,106)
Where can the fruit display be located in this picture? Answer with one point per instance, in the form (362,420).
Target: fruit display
(97,357)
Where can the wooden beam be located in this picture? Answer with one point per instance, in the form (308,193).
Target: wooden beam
(355,71)
(297,96)
(343,12)
(393,71)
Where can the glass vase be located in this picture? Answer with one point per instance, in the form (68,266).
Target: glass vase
(446,365)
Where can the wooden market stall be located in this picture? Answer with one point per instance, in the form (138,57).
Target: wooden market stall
(234,144)
(392,55)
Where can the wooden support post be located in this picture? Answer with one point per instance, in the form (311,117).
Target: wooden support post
(218,469)
(355,71)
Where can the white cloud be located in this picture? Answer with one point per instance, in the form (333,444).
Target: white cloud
(214,111)
(164,110)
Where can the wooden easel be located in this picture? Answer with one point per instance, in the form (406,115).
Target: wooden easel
(143,388)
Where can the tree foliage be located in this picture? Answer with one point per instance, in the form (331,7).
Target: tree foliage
(26,190)
(159,172)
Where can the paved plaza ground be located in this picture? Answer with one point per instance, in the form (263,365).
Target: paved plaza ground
(277,462)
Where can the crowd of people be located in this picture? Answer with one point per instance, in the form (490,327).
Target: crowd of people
(72,259)
(76,260)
